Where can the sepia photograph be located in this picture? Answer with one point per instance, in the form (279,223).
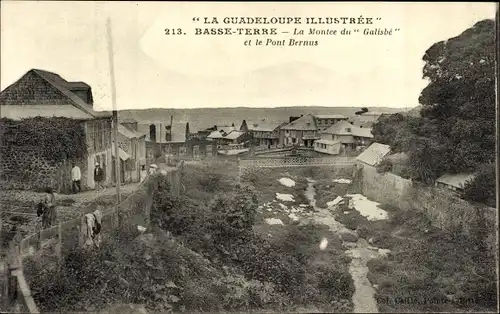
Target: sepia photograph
(236,157)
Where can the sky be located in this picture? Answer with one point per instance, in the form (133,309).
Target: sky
(153,70)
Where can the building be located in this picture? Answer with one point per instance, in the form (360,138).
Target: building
(40,93)
(324,121)
(165,139)
(454,182)
(301,132)
(373,154)
(365,120)
(350,136)
(330,147)
(264,133)
(133,145)
(234,137)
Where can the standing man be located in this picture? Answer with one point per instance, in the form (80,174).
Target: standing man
(76,176)
(98,177)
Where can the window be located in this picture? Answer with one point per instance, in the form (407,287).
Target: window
(348,129)
(134,149)
(102,134)
(152,132)
(93,134)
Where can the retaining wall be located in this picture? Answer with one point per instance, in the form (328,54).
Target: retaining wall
(445,209)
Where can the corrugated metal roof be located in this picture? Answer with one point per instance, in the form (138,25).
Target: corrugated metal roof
(374,154)
(48,111)
(456,180)
(234,135)
(129,133)
(123,154)
(263,126)
(330,116)
(304,123)
(362,132)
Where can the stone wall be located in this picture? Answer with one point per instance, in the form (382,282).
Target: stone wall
(26,168)
(443,207)
(385,188)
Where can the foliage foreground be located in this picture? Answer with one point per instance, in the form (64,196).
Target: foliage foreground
(201,254)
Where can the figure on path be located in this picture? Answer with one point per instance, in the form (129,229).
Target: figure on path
(47,209)
(76,176)
(98,177)
(90,229)
(143,173)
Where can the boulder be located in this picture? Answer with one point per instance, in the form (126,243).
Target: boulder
(349,236)
(384,252)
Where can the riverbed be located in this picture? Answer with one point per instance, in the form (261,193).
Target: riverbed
(360,251)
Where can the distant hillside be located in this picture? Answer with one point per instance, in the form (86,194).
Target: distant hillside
(206,117)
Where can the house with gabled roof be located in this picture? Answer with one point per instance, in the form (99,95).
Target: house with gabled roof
(324,121)
(40,93)
(264,133)
(348,135)
(302,131)
(366,119)
(133,144)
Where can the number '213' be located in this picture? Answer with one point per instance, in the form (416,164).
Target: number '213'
(173,31)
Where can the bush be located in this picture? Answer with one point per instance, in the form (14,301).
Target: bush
(384,166)
(61,138)
(483,187)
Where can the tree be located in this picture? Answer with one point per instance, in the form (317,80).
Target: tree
(456,131)
(363,110)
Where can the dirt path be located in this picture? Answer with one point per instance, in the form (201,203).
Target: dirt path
(360,252)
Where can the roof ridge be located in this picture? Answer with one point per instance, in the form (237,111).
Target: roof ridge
(68,93)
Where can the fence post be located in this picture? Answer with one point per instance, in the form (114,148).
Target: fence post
(58,247)
(12,268)
(39,240)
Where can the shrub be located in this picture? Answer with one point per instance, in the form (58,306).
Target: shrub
(61,138)
(384,166)
(482,188)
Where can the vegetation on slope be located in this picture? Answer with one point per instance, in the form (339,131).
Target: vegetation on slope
(200,255)
(456,130)
(428,270)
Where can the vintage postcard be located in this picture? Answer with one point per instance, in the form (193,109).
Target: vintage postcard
(275,157)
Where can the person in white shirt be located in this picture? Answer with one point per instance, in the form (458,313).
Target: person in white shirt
(143,173)
(76,176)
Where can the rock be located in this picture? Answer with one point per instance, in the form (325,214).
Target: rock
(370,240)
(349,236)
(350,245)
(384,252)
(123,282)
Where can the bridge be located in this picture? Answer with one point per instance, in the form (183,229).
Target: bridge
(294,161)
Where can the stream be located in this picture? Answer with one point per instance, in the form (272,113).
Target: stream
(360,252)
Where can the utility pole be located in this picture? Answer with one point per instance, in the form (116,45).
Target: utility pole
(115,120)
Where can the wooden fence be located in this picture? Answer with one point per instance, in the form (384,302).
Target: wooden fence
(295,161)
(17,293)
